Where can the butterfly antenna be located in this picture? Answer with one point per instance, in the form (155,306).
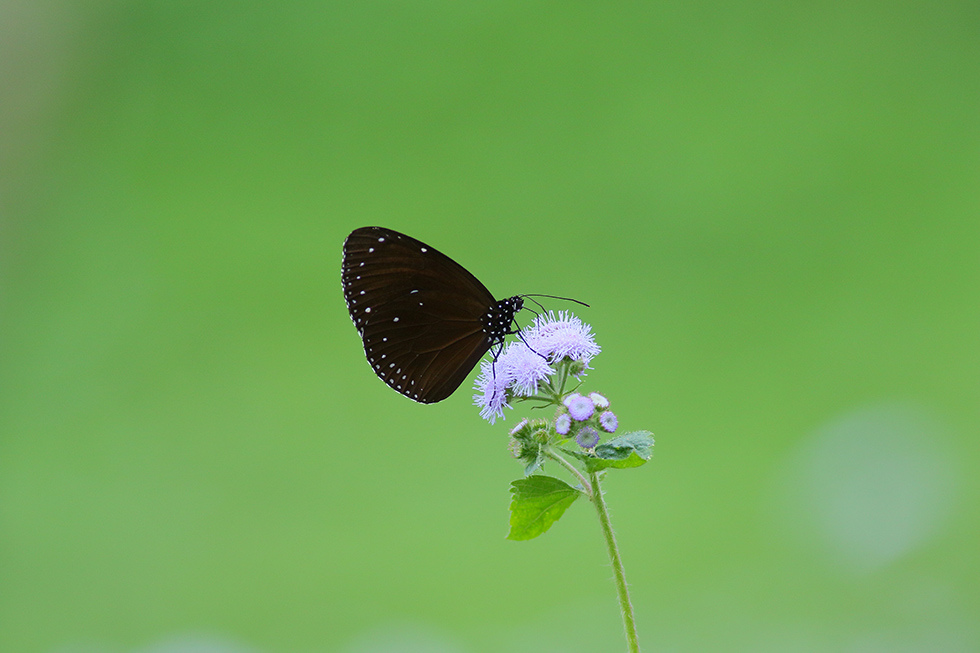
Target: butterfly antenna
(536,302)
(566,299)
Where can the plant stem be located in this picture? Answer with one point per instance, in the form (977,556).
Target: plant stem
(629,621)
(554,455)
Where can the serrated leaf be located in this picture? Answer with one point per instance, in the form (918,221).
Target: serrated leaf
(537,503)
(622,452)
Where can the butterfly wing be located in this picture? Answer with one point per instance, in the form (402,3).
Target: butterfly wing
(417,311)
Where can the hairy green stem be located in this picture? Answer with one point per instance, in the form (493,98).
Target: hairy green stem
(554,455)
(629,621)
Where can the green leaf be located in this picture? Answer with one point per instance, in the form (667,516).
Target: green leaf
(537,503)
(622,452)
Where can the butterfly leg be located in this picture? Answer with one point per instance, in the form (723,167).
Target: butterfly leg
(521,336)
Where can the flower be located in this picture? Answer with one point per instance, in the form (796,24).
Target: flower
(579,407)
(520,425)
(561,336)
(599,400)
(520,368)
(587,437)
(563,423)
(524,368)
(492,387)
(608,421)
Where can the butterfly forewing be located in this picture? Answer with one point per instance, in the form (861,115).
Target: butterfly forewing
(419,313)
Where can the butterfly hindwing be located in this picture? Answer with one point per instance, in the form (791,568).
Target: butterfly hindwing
(421,316)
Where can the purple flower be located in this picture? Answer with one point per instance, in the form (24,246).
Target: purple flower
(599,400)
(608,421)
(523,368)
(579,407)
(520,425)
(563,423)
(587,437)
(517,368)
(492,387)
(564,336)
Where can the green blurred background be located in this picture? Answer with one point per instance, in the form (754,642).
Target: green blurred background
(774,211)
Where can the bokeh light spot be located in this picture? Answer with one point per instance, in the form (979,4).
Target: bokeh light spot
(870,486)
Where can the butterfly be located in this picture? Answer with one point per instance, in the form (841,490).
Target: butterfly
(424,320)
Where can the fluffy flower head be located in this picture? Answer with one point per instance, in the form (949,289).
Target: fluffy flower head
(587,437)
(491,387)
(519,370)
(562,336)
(523,368)
(579,407)
(563,423)
(608,421)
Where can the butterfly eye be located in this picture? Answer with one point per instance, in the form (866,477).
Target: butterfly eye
(425,321)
